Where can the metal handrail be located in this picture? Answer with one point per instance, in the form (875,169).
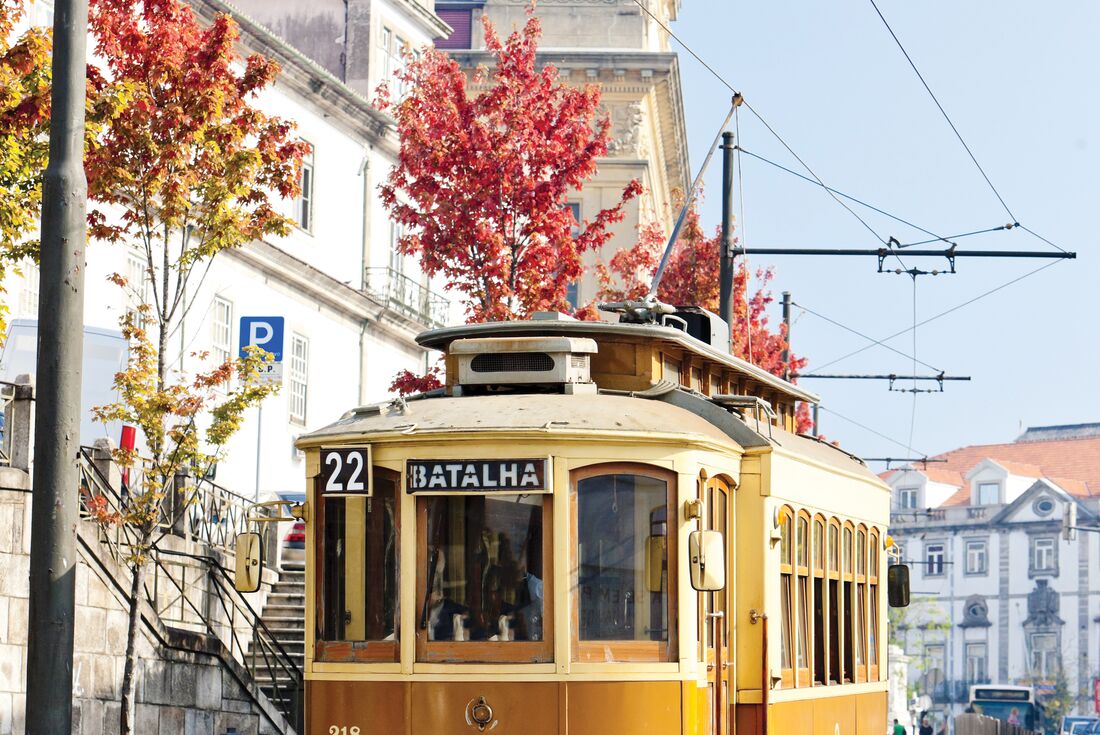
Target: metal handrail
(406,296)
(217,587)
(7,398)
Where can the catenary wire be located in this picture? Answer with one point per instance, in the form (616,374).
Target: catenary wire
(873,431)
(940,315)
(759,117)
(943,111)
(859,334)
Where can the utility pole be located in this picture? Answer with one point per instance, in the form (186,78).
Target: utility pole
(55,511)
(725,252)
(786,358)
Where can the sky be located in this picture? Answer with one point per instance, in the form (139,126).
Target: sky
(1019,80)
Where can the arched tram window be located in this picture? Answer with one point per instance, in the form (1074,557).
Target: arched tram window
(623,610)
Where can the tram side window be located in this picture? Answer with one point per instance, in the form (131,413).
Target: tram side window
(819,601)
(786,593)
(847,603)
(359,562)
(623,572)
(802,570)
(872,622)
(834,602)
(484,564)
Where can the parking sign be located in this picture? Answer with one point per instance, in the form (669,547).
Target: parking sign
(265,332)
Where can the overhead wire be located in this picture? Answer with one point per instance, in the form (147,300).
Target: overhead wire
(877,433)
(943,111)
(759,117)
(935,317)
(859,334)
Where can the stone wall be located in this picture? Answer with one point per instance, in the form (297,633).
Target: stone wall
(185,683)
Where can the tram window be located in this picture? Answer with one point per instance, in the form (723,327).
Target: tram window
(819,604)
(833,579)
(623,571)
(873,622)
(802,570)
(359,573)
(848,576)
(484,566)
(786,593)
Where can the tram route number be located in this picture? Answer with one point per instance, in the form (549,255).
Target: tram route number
(346,471)
(343,730)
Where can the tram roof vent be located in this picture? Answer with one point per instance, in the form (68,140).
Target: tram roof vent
(519,361)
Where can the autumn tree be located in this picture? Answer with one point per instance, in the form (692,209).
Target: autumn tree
(24,138)
(482,178)
(185,169)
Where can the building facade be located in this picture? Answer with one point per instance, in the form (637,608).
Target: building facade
(352,307)
(627,52)
(1000,594)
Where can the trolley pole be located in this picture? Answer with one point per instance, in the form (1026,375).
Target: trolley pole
(725,252)
(55,512)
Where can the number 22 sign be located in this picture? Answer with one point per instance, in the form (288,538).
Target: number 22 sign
(346,471)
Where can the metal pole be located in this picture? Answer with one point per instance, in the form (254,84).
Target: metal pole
(55,509)
(815,420)
(786,358)
(259,436)
(725,258)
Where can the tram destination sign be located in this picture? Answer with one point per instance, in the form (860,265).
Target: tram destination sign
(473,476)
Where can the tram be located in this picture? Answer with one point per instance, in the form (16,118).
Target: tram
(592,529)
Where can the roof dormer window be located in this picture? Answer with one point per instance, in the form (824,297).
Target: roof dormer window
(989,493)
(907,498)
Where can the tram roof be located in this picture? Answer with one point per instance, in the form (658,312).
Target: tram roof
(676,413)
(440,339)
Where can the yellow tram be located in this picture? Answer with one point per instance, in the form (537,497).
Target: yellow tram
(593,529)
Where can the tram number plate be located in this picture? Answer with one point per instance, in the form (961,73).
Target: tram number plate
(477,476)
(346,471)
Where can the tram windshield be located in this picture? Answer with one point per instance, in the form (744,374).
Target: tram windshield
(485,568)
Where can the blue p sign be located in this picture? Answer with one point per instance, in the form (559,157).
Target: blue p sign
(265,332)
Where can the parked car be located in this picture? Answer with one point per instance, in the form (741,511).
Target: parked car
(295,537)
(1072,725)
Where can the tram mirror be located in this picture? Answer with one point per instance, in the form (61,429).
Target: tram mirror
(654,562)
(707,557)
(250,565)
(897,585)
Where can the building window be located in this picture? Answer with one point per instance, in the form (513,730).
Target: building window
(28,297)
(935,663)
(303,205)
(1044,654)
(907,498)
(461,19)
(976,658)
(299,374)
(222,337)
(1044,555)
(977,557)
(397,259)
(933,560)
(989,493)
(391,46)
(1044,506)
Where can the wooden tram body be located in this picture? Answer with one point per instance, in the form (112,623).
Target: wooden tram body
(521,563)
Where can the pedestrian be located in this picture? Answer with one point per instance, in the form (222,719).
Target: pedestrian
(1014,717)
(899,729)
(925,727)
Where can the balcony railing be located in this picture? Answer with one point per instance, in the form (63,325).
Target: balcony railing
(407,297)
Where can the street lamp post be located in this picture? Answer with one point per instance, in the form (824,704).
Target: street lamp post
(55,503)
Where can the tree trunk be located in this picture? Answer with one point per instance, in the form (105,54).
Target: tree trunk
(129,709)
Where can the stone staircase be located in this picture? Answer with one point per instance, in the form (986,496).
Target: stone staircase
(285,616)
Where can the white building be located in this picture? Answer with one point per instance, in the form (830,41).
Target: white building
(999,596)
(352,306)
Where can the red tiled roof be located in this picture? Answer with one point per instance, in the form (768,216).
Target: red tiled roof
(1075,461)
(947,477)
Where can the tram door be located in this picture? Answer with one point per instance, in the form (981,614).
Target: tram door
(716,622)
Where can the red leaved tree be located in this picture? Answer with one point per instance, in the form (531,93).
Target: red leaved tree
(691,279)
(482,178)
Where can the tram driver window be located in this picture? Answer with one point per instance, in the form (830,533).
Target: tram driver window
(357,606)
(623,603)
(484,578)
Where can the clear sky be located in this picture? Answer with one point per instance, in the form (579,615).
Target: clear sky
(1020,80)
